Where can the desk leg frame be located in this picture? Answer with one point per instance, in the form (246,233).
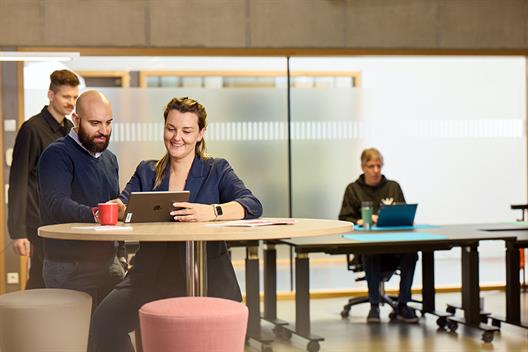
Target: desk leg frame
(471,296)
(428,304)
(428,289)
(470,284)
(302,303)
(270,291)
(513,286)
(253,298)
(513,289)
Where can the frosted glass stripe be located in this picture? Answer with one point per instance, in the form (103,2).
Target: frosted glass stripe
(331,130)
(115,132)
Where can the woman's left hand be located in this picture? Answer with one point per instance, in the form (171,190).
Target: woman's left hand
(192,212)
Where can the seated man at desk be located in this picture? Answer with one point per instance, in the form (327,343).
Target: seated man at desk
(373,186)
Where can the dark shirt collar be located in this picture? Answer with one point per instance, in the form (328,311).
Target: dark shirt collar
(382,182)
(48,117)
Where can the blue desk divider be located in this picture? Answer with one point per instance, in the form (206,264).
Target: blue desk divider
(394,236)
(396,228)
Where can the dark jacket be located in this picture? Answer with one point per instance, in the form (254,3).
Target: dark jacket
(359,191)
(33,137)
(162,265)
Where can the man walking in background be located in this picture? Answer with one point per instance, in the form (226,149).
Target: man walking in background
(33,137)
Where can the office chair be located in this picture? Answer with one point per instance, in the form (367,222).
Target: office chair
(354,264)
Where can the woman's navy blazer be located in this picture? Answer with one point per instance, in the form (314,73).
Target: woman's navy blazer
(161,265)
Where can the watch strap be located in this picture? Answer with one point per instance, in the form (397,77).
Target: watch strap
(217,208)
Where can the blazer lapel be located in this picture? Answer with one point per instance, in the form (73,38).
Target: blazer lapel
(196,178)
(164,185)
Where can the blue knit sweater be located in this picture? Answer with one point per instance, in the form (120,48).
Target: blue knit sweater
(71,182)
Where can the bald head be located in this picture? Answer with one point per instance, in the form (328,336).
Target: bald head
(93,120)
(90,100)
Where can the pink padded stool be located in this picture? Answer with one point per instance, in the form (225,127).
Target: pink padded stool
(193,324)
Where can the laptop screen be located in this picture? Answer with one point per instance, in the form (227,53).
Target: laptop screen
(396,215)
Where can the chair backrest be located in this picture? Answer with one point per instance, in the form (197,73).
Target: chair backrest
(389,266)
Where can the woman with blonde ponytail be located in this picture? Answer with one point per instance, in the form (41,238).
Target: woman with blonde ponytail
(216,193)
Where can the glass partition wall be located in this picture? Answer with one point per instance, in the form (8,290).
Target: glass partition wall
(451,129)
(246,125)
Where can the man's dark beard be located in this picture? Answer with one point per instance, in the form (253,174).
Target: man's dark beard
(89,144)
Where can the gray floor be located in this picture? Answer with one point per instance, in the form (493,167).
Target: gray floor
(353,334)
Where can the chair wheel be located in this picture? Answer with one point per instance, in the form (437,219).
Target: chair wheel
(392,315)
(345,313)
(441,322)
(496,322)
(452,325)
(313,346)
(487,336)
(286,334)
(281,332)
(277,330)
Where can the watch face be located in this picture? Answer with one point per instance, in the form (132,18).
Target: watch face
(219,210)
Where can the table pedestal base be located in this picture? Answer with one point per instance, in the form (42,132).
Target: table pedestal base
(196,268)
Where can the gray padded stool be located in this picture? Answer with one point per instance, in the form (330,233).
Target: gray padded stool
(44,320)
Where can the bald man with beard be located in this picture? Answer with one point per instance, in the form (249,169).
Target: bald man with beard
(75,174)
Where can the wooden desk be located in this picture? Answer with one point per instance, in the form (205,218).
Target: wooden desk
(196,235)
(465,236)
(194,231)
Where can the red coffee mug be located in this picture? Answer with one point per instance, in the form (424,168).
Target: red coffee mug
(107,213)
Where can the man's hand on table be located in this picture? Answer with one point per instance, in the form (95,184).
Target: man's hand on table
(122,207)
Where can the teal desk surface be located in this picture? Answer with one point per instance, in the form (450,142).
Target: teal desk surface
(394,236)
(441,234)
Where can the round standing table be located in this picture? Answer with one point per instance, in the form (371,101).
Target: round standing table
(195,235)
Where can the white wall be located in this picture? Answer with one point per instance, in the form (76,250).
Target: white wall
(452,131)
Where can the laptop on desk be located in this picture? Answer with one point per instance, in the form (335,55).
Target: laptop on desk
(153,206)
(396,215)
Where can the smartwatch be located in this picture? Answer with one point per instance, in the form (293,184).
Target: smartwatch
(217,211)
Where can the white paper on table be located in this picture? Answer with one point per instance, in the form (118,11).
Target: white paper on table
(103,228)
(255,222)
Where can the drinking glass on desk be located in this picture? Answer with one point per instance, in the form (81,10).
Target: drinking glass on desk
(367,210)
